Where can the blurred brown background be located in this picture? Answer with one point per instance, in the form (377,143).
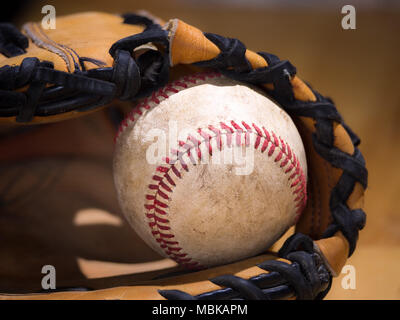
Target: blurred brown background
(358,68)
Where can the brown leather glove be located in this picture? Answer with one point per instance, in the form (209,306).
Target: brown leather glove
(95,59)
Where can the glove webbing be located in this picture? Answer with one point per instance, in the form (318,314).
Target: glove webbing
(322,110)
(232,63)
(305,278)
(53,92)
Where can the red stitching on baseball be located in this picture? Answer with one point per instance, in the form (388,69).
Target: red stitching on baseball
(158,207)
(300,199)
(271,150)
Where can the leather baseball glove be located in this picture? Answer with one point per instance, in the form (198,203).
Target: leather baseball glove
(95,60)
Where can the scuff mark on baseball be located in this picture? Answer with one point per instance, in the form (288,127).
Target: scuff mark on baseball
(227,187)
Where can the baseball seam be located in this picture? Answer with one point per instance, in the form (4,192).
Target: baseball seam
(158,96)
(161,188)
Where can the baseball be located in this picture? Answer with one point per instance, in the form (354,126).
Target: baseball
(209,170)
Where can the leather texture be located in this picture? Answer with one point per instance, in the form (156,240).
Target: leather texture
(193,283)
(87,35)
(190,45)
(81,44)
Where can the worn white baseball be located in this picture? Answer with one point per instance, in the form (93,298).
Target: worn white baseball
(209,170)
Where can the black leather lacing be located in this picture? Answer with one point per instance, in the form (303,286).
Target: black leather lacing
(306,277)
(323,111)
(52,92)
(12,41)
